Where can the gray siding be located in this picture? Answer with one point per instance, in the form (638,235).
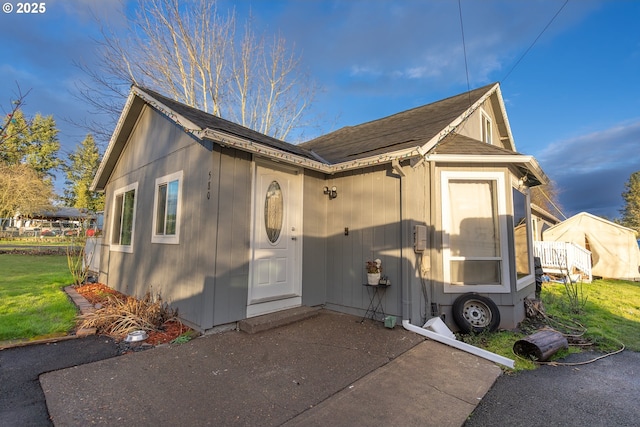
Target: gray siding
(205,275)
(511,304)
(368,205)
(314,246)
(472,126)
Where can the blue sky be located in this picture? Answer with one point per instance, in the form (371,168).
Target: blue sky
(573,101)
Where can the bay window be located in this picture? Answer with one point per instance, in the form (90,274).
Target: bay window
(521,233)
(474,232)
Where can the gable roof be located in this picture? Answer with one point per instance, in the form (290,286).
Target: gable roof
(406,130)
(208,121)
(417,133)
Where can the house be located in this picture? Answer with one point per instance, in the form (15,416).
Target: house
(542,220)
(227,223)
(613,248)
(61,220)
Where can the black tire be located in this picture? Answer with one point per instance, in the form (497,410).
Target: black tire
(475,313)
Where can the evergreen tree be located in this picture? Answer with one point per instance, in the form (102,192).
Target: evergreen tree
(33,142)
(80,169)
(631,210)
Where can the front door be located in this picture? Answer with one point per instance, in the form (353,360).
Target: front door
(275,281)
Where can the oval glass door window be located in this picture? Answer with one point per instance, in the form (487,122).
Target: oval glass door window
(273,211)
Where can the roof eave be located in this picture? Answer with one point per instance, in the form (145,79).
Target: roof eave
(229,140)
(528,161)
(458,120)
(105,167)
(503,110)
(124,126)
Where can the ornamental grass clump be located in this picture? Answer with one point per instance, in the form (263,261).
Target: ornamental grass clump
(120,316)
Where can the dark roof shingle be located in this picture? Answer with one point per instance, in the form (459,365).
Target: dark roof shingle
(411,128)
(457,144)
(209,121)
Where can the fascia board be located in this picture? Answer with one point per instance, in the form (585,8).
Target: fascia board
(503,110)
(112,142)
(229,140)
(457,121)
(186,124)
(527,160)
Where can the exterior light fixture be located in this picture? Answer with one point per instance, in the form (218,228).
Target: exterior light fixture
(332,193)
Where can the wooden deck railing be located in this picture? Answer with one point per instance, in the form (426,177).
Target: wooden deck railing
(564,258)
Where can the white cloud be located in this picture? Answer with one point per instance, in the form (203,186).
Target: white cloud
(590,170)
(602,150)
(419,40)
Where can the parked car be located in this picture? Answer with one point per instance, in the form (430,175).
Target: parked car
(50,228)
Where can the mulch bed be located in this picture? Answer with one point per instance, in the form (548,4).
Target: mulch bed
(99,295)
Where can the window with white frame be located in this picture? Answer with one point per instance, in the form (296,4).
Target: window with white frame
(485,128)
(166,208)
(521,236)
(474,232)
(123,218)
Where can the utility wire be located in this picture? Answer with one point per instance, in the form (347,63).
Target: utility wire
(464,50)
(534,42)
(552,204)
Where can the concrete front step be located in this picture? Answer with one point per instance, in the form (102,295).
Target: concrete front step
(277,319)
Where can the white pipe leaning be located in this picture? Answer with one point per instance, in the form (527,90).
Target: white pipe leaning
(459,345)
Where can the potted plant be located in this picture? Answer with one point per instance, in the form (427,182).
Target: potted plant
(374,268)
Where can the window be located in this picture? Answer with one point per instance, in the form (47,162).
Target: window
(474,232)
(521,233)
(166,219)
(273,212)
(486,128)
(123,219)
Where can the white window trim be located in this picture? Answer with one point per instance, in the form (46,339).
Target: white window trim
(484,117)
(173,239)
(124,248)
(526,280)
(498,177)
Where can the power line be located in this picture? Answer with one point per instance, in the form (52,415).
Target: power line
(464,50)
(534,42)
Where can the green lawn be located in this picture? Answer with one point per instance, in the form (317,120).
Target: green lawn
(611,313)
(32,302)
(610,316)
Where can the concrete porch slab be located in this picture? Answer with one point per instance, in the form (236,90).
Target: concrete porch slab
(265,322)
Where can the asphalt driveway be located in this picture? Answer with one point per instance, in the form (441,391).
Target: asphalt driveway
(22,401)
(602,393)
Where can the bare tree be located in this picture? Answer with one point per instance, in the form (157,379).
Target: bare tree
(190,51)
(6,128)
(23,191)
(546,196)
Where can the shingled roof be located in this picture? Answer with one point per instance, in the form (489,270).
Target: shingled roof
(408,129)
(209,121)
(413,133)
(455,143)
